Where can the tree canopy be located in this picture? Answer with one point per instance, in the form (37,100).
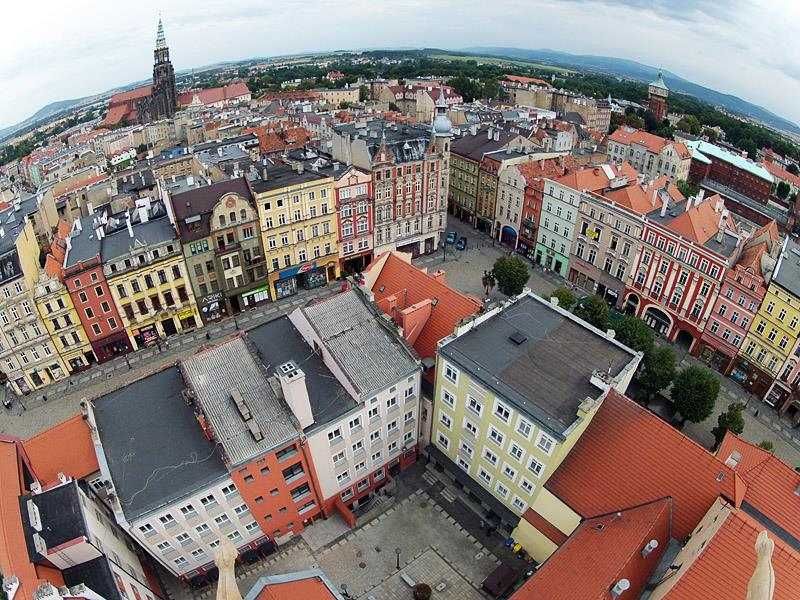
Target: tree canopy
(511,274)
(593,310)
(731,420)
(694,393)
(657,371)
(634,333)
(566,299)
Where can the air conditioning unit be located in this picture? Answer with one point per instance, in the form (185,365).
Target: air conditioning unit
(36,487)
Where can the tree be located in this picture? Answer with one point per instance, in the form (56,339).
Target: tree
(793,169)
(650,121)
(634,120)
(783,190)
(363,93)
(466,87)
(511,274)
(593,310)
(694,393)
(616,120)
(686,188)
(657,371)
(766,445)
(749,146)
(566,299)
(393,107)
(711,134)
(689,124)
(635,334)
(731,420)
(141,148)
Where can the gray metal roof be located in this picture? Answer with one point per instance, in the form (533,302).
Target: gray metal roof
(277,342)
(547,374)
(154,446)
(787,271)
(371,357)
(213,375)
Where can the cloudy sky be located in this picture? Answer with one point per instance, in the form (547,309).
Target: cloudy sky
(52,50)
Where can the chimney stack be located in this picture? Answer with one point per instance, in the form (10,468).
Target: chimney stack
(295,392)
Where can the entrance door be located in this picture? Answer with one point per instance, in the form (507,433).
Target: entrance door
(169,326)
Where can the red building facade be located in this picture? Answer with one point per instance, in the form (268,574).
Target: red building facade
(712,163)
(680,267)
(91,296)
(355,207)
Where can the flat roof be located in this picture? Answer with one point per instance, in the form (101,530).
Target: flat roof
(546,372)
(700,149)
(154,446)
(214,374)
(277,342)
(284,176)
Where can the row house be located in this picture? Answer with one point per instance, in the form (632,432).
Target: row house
(466,153)
(146,273)
(220,237)
(491,169)
(510,405)
(687,247)
(28,357)
(419,100)
(650,154)
(534,174)
(57,310)
(740,296)
(354,202)
(559,212)
(772,338)
(609,232)
(177,516)
(409,166)
(298,228)
(519,199)
(367,428)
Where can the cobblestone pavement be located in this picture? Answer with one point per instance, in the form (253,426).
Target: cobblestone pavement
(51,405)
(365,558)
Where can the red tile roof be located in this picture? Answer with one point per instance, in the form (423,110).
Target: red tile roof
(600,552)
(654,143)
(526,80)
(725,565)
(551,168)
(411,285)
(595,179)
(309,588)
(628,456)
(134,94)
(701,223)
(778,172)
(115,115)
(543,526)
(207,96)
(772,485)
(14,559)
(76,457)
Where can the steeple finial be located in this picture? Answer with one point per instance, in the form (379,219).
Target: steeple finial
(161,41)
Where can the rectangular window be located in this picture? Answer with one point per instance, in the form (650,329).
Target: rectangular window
(450,373)
(502,412)
(496,436)
(535,467)
(545,443)
(448,399)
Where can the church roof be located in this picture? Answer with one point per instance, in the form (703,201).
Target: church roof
(659,82)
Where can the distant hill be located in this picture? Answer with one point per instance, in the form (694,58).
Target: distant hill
(634,70)
(40,115)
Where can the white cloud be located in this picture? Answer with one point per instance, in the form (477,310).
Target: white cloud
(55,50)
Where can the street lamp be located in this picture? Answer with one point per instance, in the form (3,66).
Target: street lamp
(397,553)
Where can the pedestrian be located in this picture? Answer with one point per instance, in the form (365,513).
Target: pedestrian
(208,336)
(44,398)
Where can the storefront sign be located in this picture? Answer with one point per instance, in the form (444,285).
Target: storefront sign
(215,297)
(186,313)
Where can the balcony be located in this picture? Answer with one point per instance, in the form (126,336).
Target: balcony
(410,398)
(293,473)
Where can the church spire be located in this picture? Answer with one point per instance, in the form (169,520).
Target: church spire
(161,41)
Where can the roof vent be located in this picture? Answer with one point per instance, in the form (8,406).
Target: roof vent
(287,367)
(733,459)
(649,547)
(620,587)
(720,476)
(241,405)
(518,338)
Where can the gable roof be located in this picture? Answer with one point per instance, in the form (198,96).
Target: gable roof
(653,143)
(701,222)
(535,170)
(724,566)
(231,91)
(628,456)
(200,202)
(778,172)
(78,460)
(772,485)
(612,544)
(312,584)
(410,285)
(595,179)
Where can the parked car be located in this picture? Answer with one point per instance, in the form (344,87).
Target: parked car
(452,236)
(461,244)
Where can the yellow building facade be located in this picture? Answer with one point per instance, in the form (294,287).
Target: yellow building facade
(485,429)
(776,326)
(299,228)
